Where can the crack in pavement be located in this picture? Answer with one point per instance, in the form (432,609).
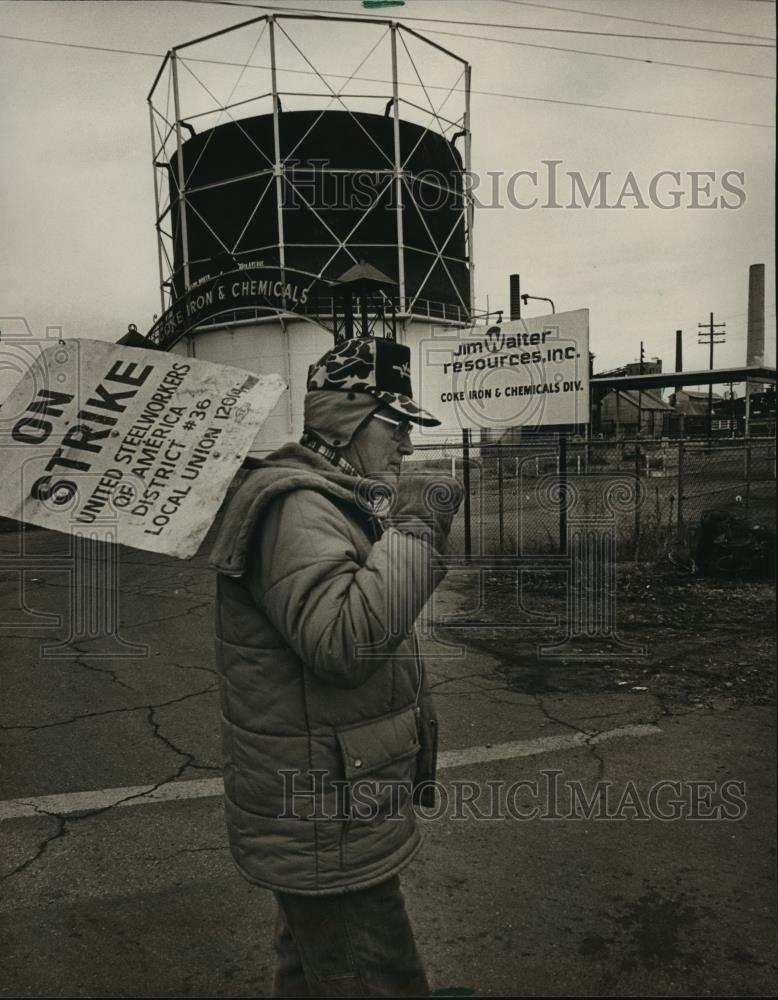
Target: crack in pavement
(143,590)
(109,711)
(588,733)
(619,713)
(190,761)
(515,699)
(511,701)
(167,618)
(551,718)
(62,828)
(99,670)
(192,666)
(186,582)
(462,677)
(43,846)
(180,592)
(122,591)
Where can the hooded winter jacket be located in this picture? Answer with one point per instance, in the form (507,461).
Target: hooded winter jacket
(322,687)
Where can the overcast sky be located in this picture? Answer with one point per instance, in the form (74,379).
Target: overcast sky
(76,196)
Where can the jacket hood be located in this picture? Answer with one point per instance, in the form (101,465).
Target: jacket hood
(292,467)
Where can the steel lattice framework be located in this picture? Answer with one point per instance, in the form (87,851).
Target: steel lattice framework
(373,65)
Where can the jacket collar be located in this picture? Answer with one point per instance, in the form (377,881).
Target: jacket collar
(334,457)
(292,467)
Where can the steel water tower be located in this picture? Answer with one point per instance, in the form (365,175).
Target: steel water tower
(310,180)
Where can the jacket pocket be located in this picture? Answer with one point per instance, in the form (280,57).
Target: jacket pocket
(379,767)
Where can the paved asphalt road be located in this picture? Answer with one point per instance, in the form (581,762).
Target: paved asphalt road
(142,899)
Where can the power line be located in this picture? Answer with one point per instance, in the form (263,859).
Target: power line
(602,55)
(491,24)
(613,107)
(480,93)
(768,312)
(450,34)
(622,17)
(81,45)
(584,52)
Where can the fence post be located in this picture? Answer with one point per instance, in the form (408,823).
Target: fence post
(466,471)
(500,508)
(637,500)
(562,469)
(748,473)
(679,509)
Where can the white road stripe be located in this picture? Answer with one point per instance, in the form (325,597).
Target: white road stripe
(546,744)
(104,798)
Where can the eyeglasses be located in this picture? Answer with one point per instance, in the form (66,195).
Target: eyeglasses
(402,428)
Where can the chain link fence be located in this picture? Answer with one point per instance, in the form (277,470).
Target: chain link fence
(526,498)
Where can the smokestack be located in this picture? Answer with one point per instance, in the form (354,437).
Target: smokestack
(678,355)
(755,341)
(515,296)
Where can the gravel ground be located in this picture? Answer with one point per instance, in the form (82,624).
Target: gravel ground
(708,643)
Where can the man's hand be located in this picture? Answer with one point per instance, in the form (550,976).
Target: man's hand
(426,499)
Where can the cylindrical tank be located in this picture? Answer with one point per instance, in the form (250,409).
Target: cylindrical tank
(288,348)
(304,188)
(338,203)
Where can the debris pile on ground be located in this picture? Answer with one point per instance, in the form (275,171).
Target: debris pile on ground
(734,547)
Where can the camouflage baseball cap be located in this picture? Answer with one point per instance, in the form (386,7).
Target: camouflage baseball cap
(373,365)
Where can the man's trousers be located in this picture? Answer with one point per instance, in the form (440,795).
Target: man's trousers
(357,944)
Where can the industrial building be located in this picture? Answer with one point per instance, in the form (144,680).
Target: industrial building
(627,413)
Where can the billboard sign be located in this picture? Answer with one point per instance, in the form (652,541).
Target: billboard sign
(98,434)
(526,373)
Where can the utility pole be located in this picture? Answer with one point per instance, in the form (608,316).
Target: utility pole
(640,394)
(711,333)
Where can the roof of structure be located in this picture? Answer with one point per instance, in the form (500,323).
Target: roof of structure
(644,400)
(697,394)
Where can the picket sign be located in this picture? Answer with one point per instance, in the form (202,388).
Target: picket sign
(99,435)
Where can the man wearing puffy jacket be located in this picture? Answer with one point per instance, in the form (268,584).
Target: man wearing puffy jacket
(328,728)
